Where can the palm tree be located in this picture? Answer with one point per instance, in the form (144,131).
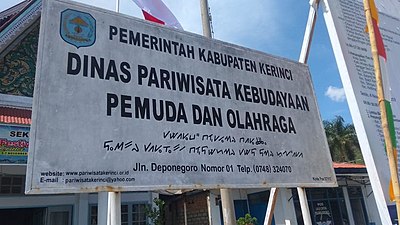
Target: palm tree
(342,141)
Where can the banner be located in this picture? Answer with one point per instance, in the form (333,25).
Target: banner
(14,143)
(346,23)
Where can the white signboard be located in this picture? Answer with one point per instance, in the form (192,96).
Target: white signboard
(122,104)
(346,24)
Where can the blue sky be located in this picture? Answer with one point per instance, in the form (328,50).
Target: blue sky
(273,27)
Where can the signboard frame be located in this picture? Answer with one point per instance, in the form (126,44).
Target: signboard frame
(354,60)
(44,175)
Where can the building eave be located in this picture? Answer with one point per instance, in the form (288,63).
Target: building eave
(12,12)
(18,24)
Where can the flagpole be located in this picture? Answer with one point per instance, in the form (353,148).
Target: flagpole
(381,101)
(205,18)
(226,199)
(114,198)
(116,5)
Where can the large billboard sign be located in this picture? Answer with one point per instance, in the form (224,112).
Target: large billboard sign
(346,24)
(122,104)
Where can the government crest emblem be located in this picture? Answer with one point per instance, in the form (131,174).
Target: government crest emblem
(78,28)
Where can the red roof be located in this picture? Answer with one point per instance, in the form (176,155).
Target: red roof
(15,116)
(346,165)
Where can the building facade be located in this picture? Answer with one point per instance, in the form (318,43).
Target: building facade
(351,203)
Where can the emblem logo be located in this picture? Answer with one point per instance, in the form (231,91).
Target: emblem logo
(78,28)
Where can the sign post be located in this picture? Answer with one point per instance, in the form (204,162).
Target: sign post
(305,50)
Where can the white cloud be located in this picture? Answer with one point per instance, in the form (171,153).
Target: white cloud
(335,94)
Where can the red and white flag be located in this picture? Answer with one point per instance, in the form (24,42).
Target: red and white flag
(157,11)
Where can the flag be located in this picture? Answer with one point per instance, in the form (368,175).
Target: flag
(386,84)
(156,11)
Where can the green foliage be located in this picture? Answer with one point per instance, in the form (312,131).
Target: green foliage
(156,214)
(247,220)
(342,141)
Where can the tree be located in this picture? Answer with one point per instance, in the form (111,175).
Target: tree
(342,141)
(247,220)
(156,214)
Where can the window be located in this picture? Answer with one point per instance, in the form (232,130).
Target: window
(327,206)
(258,205)
(93,215)
(241,208)
(59,215)
(131,214)
(124,215)
(357,205)
(138,214)
(12,184)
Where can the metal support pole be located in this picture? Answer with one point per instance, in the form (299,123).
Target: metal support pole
(116,5)
(305,51)
(209,208)
(308,34)
(304,206)
(227,207)
(102,210)
(185,212)
(205,18)
(114,201)
(348,206)
(271,206)
(114,198)
(114,211)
